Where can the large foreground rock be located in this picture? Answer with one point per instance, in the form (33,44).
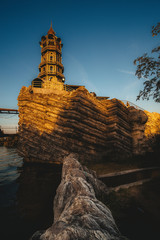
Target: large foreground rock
(78,214)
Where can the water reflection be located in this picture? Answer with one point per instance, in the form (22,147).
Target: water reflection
(26,195)
(9,162)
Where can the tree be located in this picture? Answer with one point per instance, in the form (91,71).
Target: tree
(1,132)
(148,68)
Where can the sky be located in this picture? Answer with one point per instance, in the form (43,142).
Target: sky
(100,39)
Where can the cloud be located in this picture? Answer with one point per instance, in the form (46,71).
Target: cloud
(126,71)
(131,87)
(82,73)
(130,73)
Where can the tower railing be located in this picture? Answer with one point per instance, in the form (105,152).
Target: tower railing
(59,74)
(68,88)
(50,62)
(50,48)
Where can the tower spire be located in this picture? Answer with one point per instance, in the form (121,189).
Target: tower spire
(51,31)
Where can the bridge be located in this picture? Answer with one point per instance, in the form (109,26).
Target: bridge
(8,111)
(7,129)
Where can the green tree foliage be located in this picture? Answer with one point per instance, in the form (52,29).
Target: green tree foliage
(148,68)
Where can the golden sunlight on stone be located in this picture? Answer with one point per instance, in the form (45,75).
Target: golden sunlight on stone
(153,124)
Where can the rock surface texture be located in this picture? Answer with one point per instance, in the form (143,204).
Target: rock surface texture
(56,124)
(78,214)
(153,124)
(138,120)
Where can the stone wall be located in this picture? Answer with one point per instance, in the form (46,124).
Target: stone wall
(55,124)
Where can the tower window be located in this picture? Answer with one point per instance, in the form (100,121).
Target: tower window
(50,36)
(51,58)
(43,38)
(37,83)
(51,68)
(51,43)
(44,69)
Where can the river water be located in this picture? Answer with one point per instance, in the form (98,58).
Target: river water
(26,195)
(27,191)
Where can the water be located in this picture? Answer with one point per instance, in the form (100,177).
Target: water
(26,201)
(26,195)
(9,162)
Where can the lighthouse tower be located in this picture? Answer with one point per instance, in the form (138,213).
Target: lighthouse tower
(51,67)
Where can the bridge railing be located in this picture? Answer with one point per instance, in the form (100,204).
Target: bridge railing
(8,111)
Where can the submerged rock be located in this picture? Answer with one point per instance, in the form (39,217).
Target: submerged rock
(78,214)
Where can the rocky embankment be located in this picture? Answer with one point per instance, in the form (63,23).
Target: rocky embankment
(78,214)
(56,124)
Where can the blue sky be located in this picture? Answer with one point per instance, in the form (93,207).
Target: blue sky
(101,39)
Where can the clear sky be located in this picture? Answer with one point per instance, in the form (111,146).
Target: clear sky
(100,41)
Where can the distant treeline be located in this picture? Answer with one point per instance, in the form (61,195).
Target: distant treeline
(9,140)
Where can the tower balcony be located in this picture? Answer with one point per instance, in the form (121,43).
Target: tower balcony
(42,64)
(42,74)
(51,73)
(50,62)
(51,48)
(59,74)
(59,63)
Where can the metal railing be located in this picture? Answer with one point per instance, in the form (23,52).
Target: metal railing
(70,88)
(130,104)
(67,88)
